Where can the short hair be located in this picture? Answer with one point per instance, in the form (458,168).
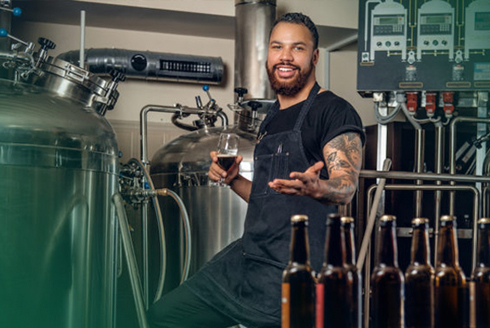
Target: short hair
(301,19)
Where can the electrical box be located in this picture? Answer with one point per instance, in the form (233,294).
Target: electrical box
(415,45)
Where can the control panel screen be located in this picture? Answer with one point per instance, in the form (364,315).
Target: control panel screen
(482,21)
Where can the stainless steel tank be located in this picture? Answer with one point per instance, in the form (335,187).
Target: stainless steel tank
(216,213)
(58,172)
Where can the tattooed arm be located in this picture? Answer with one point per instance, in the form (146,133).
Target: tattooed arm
(343,160)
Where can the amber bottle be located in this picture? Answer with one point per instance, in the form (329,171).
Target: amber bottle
(387,280)
(480,280)
(419,279)
(450,281)
(298,283)
(338,289)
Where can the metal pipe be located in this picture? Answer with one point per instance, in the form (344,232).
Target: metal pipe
(438,165)
(372,218)
(131,260)
(419,168)
(82,39)
(452,149)
(422,176)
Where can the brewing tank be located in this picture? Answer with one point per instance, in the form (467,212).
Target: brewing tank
(58,173)
(216,213)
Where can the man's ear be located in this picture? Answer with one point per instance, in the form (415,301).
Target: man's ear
(316,55)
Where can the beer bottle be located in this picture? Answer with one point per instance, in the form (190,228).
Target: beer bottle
(338,289)
(298,284)
(387,280)
(480,282)
(419,279)
(450,281)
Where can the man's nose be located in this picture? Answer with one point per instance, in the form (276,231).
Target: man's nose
(286,55)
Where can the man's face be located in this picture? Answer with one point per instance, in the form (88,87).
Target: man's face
(291,59)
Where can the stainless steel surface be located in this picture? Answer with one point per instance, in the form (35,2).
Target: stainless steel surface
(438,164)
(58,172)
(419,167)
(253,22)
(216,213)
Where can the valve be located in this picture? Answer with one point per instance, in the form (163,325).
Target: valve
(448,99)
(240,92)
(29,45)
(430,103)
(412,102)
(15,11)
(46,45)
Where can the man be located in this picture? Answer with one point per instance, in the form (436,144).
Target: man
(308,157)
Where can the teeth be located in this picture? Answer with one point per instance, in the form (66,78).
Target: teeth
(285,69)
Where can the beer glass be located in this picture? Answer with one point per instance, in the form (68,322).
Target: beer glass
(227,152)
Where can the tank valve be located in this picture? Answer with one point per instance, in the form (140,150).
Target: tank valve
(430,103)
(448,99)
(412,102)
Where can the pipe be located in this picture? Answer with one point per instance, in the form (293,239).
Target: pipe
(422,176)
(82,39)
(131,260)
(476,205)
(438,164)
(372,218)
(419,168)
(452,150)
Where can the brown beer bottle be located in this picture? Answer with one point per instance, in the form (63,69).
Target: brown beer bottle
(387,280)
(419,279)
(480,282)
(450,281)
(338,288)
(298,283)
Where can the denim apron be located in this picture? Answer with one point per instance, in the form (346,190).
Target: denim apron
(244,279)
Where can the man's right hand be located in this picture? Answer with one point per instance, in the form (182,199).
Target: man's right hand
(216,172)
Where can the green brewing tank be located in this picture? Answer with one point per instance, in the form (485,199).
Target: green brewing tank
(58,173)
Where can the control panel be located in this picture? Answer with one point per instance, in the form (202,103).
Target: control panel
(414,45)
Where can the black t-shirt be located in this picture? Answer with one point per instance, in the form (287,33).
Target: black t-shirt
(328,117)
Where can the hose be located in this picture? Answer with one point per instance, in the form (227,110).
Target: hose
(134,277)
(385,119)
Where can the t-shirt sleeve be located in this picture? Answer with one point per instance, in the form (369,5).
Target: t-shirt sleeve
(340,118)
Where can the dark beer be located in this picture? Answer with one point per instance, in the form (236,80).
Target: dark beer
(387,280)
(226,161)
(298,284)
(450,281)
(480,282)
(338,289)
(419,279)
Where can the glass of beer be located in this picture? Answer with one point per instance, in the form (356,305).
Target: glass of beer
(227,152)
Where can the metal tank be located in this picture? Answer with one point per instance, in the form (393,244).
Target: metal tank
(58,173)
(216,213)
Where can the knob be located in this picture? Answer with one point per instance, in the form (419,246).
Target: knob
(3,32)
(139,62)
(205,87)
(46,43)
(254,105)
(241,91)
(17,11)
(435,42)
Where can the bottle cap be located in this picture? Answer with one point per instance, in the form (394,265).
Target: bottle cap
(419,221)
(388,218)
(299,218)
(347,219)
(446,218)
(484,221)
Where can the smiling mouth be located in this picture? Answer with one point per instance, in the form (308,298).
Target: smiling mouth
(285,71)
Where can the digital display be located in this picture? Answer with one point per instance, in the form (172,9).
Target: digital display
(482,21)
(184,66)
(435,19)
(388,20)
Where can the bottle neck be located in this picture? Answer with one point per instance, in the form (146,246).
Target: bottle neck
(386,245)
(334,250)
(447,249)
(299,252)
(484,246)
(347,230)
(420,245)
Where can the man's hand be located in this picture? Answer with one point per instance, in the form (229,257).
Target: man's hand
(303,183)
(216,172)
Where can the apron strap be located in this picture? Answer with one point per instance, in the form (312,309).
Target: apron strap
(306,107)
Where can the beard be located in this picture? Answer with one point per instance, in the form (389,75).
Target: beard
(293,86)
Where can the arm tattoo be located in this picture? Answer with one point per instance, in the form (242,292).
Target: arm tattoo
(343,160)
